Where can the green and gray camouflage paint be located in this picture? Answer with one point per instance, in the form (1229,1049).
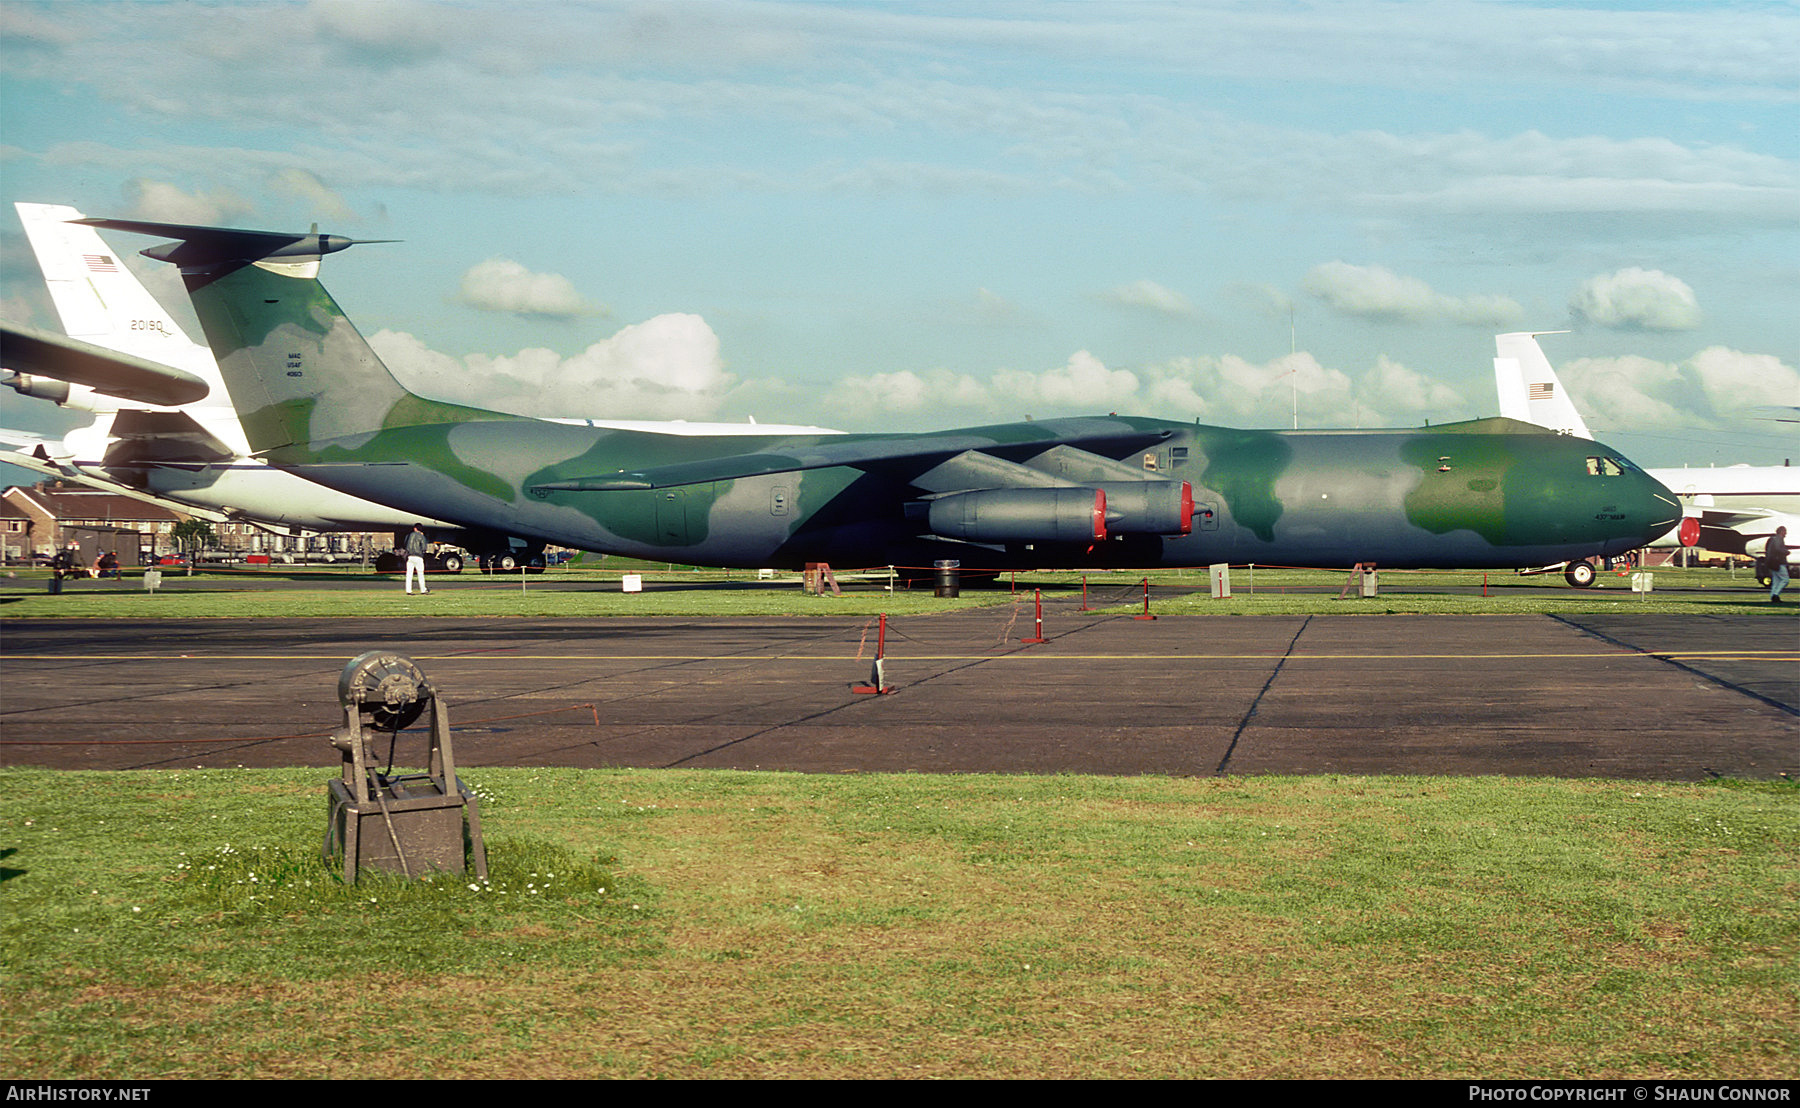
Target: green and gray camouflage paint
(1490,493)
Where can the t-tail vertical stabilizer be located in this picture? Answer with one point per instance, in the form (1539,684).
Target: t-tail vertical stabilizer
(299,373)
(101,301)
(1529,389)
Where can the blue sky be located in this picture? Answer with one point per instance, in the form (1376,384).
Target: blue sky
(922,215)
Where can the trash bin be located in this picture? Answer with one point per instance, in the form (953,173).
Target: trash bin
(949,577)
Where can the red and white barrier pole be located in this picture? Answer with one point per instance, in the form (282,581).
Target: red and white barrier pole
(1146,614)
(1039,594)
(877,685)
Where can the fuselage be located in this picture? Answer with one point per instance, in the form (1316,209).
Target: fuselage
(1775,488)
(1739,507)
(248,489)
(1414,498)
(313,398)
(174,470)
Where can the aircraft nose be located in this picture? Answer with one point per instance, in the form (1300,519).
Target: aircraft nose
(1655,509)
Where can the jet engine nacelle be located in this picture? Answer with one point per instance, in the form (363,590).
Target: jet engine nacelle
(81,398)
(1149,507)
(43,388)
(1021,515)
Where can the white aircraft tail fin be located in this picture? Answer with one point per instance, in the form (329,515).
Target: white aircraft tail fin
(100,300)
(1529,389)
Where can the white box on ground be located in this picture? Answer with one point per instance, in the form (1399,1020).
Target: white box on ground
(632,582)
(1220,572)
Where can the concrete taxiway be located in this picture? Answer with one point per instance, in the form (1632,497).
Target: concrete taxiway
(1624,696)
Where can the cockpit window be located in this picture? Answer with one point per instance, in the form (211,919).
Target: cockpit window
(1605,467)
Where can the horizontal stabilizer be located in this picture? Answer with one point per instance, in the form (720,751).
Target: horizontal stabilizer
(25,460)
(149,438)
(207,245)
(47,354)
(23,440)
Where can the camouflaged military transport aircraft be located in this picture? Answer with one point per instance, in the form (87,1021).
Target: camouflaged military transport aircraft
(1101,491)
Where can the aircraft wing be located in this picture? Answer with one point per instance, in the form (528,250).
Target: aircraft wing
(27,350)
(37,461)
(1736,518)
(915,452)
(31,460)
(23,440)
(141,437)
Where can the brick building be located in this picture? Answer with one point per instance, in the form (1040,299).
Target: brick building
(38,519)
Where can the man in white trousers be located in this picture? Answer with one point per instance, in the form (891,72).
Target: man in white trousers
(415,558)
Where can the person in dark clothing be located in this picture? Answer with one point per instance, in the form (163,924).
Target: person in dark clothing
(67,562)
(1775,556)
(415,558)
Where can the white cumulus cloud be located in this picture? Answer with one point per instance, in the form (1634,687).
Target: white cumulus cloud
(1710,390)
(1150,296)
(667,367)
(503,285)
(1083,384)
(1733,380)
(1224,389)
(1637,299)
(905,392)
(1375,292)
(1392,389)
(313,192)
(161,202)
(1235,391)
(1629,393)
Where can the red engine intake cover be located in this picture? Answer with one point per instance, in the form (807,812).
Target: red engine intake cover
(1689,532)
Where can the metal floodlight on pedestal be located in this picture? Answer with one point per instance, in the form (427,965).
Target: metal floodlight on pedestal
(411,824)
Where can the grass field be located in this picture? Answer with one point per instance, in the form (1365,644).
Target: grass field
(653,923)
(587,593)
(717,924)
